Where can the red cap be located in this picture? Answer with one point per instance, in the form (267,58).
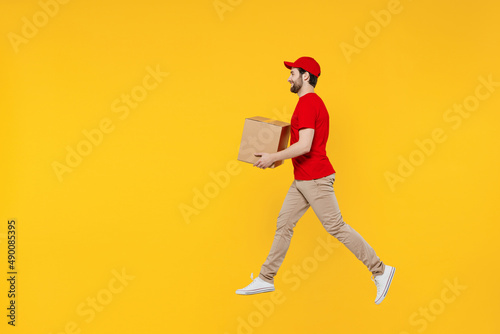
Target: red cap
(306,63)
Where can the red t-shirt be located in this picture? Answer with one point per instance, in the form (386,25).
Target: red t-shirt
(311,112)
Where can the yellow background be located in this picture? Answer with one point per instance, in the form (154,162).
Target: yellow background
(120,208)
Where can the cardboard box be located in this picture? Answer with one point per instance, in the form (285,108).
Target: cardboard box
(261,134)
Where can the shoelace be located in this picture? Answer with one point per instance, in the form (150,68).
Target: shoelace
(377,284)
(253,281)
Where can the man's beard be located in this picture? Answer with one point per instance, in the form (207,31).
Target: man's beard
(296,87)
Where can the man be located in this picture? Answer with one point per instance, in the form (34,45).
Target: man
(313,185)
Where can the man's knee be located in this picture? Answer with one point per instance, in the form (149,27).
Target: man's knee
(284,228)
(334,224)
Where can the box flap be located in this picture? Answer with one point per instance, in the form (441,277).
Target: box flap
(269,121)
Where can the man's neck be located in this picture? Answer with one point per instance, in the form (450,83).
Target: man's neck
(306,89)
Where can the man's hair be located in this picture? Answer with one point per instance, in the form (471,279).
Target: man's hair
(313,80)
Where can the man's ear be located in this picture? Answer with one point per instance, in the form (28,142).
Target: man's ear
(305,76)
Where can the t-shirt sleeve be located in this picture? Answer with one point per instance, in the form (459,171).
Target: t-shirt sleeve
(306,116)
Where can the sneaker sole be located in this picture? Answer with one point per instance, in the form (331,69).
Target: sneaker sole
(253,292)
(388,285)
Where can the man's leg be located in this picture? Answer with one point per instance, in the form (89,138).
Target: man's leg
(294,207)
(321,196)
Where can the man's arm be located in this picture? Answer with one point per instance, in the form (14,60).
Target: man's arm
(303,146)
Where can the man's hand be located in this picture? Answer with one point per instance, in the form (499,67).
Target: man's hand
(303,146)
(265,161)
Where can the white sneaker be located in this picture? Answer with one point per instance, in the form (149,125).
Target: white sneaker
(257,286)
(383,282)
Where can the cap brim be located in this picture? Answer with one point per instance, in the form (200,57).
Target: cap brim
(289,65)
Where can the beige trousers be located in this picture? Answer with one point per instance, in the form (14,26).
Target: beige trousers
(318,194)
